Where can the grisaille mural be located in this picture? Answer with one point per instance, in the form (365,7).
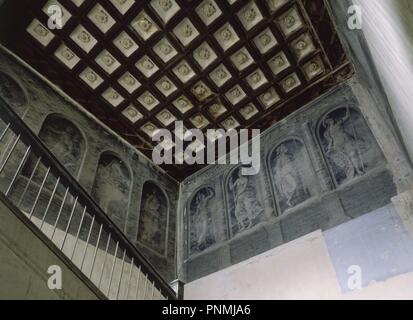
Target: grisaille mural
(244,205)
(201,227)
(348,144)
(291,173)
(112,188)
(77,141)
(320,168)
(153,218)
(65,142)
(12,93)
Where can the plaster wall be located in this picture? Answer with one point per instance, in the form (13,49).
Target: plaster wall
(316,266)
(25,260)
(388,29)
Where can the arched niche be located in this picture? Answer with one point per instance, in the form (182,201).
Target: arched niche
(244,201)
(348,144)
(201,230)
(111,188)
(153,219)
(15,97)
(65,142)
(13,93)
(291,173)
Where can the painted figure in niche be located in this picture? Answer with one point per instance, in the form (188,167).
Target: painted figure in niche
(247,207)
(201,233)
(150,209)
(153,218)
(342,145)
(11,92)
(111,189)
(289,177)
(285,174)
(14,96)
(64,141)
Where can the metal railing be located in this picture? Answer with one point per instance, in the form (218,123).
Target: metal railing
(40,186)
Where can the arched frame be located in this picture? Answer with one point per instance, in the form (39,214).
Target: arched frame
(189,201)
(168,208)
(84,138)
(21,87)
(114,154)
(321,121)
(269,171)
(226,191)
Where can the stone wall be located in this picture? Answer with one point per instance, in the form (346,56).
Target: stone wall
(320,167)
(112,171)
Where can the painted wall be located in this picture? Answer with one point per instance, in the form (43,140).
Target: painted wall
(111,170)
(316,266)
(320,167)
(289,210)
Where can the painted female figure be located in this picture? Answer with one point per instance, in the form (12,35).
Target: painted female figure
(152,222)
(343,148)
(202,235)
(247,207)
(286,175)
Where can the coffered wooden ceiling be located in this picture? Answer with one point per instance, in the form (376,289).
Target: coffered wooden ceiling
(141,65)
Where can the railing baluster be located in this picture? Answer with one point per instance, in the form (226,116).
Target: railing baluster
(96,251)
(156,294)
(145,287)
(50,203)
(153,290)
(137,283)
(39,193)
(59,213)
(29,182)
(87,242)
(104,260)
(121,274)
(31,154)
(78,233)
(9,153)
(68,224)
(130,276)
(16,174)
(113,267)
(4,132)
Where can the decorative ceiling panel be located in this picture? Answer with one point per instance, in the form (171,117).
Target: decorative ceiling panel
(212,64)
